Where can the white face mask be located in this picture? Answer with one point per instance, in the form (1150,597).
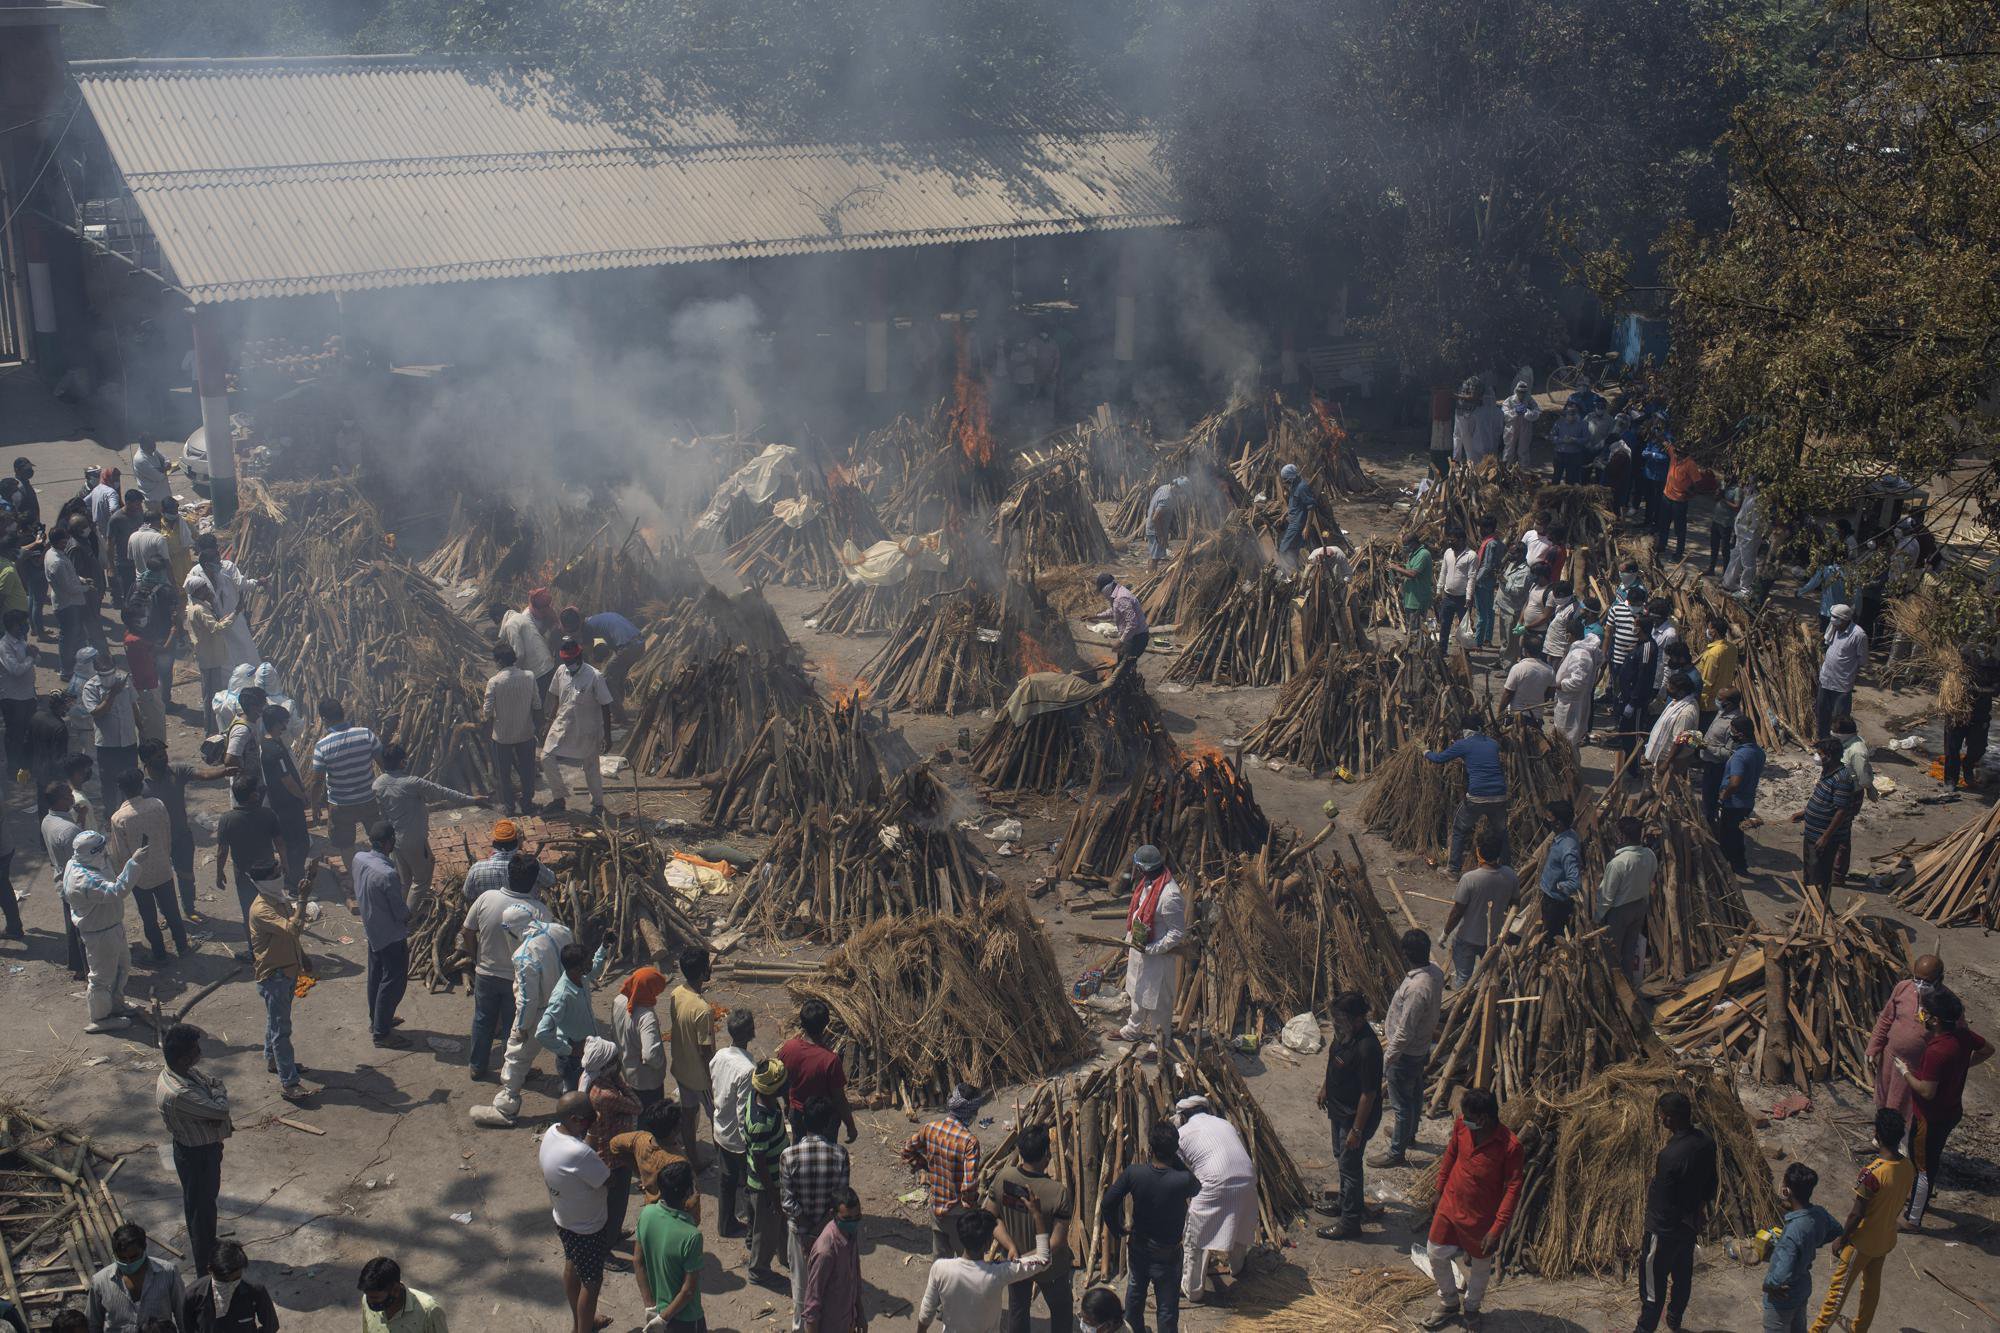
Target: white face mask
(225,1292)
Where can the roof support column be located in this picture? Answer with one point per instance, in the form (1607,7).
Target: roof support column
(1125,317)
(876,373)
(211,382)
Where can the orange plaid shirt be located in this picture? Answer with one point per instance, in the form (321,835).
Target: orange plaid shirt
(948,1152)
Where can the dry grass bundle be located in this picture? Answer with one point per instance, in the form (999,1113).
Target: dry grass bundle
(1049,521)
(709,713)
(1826,975)
(829,872)
(1071,590)
(1413,800)
(1098,1121)
(1097,740)
(921,1003)
(1375,1300)
(822,752)
(1955,881)
(1185,589)
(1199,811)
(1917,617)
(967,648)
(1540,1016)
(799,545)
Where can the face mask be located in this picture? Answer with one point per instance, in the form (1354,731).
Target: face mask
(1468,731)
(136,1266)
(225,1292)
(379,1304)
(1923,987)
(849,1226)
(1477,1126)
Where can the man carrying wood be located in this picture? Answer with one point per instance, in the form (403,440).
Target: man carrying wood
(1125,616)
(1479,1184)
(1155,923)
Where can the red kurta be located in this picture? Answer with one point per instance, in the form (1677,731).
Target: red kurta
(1478,1186)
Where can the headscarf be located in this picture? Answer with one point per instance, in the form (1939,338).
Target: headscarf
(964,1103)
(769,1080)
(541,599)
(517,920)
(85,668)
(1193,1103)
(598,1055)
(506,830)
(642,990)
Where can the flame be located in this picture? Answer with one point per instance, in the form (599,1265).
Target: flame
(1033,656)
(851,694)
(970,416)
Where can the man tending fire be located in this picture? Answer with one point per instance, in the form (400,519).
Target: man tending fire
(1155,926)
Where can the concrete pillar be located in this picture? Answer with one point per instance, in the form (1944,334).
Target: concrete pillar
(875,331)
(211,380)
(41,296)
(1125,316)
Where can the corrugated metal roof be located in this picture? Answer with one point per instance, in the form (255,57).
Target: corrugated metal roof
(287,177)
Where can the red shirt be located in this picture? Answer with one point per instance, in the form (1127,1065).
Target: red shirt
(1478,1186)
(1947,1057)
(140,662)
(814,1072)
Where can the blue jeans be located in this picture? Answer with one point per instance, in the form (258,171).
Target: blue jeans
(388,977)
(1158,1267)
(1293,538)
(1793,1320)
(1482,603)
(1405,1077)
(492,1012)
(277,990)
(1351,1183)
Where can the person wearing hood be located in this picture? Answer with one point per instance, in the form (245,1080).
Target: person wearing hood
(278,956)
(1166,504)
(537,965)
(1839,671)
(635,1026)
(1520,412)
(1301,503)
(1740,575)
(228,589)
(946,1154)
(579,703)
(617,1110)
(1155,923)
(1223,1217)
(97,905)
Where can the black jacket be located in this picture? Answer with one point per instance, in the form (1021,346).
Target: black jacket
(1684,1182)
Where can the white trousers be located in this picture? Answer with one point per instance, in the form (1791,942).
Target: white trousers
(522,1048)
(593,777)
(1741,572)
(1194,1263)
(108,954)
(1159,1020)
(1442,1273)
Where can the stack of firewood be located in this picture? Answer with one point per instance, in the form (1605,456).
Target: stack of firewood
(857,608)
(1413,800)
(1098,1122)
(1185,589)
(823,752)
(487,541)
(1049,521)
(1254,636)
(1780,678)
(703,628)
(1352,709)
(800,543)
(1199,811)
(1088,744)
(709,713)
(921,1003)
(830,871)
(625,578)
(1825,975)
(55,1235)
(967,647)
(1955,881)
(943,484)
(1205,503)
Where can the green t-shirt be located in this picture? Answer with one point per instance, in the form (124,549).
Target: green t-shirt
(1417,587)
(670,1247)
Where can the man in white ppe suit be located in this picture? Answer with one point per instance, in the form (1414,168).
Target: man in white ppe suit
(97,905)
(537,968)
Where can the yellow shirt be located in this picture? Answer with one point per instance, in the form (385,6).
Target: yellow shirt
(1884,1186)
(1717,665)
(693,1039)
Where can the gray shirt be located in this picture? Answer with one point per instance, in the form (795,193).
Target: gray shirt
(65,587)
(112,1309)
(1628,878)
(1846,653)
(59,834)
(1485,892)
(117,727)
(404,800)
(1412,1019)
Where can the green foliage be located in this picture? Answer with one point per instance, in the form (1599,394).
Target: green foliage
(1844,325)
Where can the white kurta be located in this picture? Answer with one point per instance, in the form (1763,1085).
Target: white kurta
(577,697)
(531,648)
(1224,1215)
(1150,976)
(1576,679)
(229,587)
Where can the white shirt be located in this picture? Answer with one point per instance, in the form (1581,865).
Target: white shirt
(970,1295)
(531,649)
(17,669)
(576,1177)
(578,696)
(511,704)
(1455,573)
(1530,680)
(103,501)
(150,471)
(729,1081)
(1679,718)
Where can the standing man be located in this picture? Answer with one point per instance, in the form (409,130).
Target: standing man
(1625,897)
(729,1073)
(1351,1096)
(1527,686)
(669,1258)
(1562,870)
(97,905)
(579,728)
(513,703)
(149,469)
(833,1273)
(691,1045)
(1222,1219)
(1679,721)
(1155,924)
(527,632)
(1740,575)
(1479,905)
(1415,571)
(1678,1198)
(404,800)
(343,765)
(1869,1233)
(69,595)
(228,590)
(118,530)
(1455,573)
(537,965)
(1407,1032)
(1125,616)
(1965,735)
(1741,775)
(61,826)
(965,1292)
(1828,819)
(1028,1177)
(1718,664)
(1899,1033)
(1520,412)
(384,908)
(1161,509)
(1576,687)
(17,686)
(812,1176)
(284,789)
(814,1069)
(140,833)
(1161,1189)
(1572,445)
(134,1288)
(1300,505)
(1807,1227)
(247,834)
(387,1306)
(1717,744)
(765,1139)
(195,1107)
(946,1153)
(279,957)
(1485,786)
(223,1302)
(1486,579)
(576,1177)
(1479,1184)
(114,722)
(1846,654)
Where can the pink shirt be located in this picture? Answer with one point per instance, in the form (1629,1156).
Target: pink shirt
(1897,1032)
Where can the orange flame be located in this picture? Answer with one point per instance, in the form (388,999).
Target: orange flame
(971,418)
(1033,656)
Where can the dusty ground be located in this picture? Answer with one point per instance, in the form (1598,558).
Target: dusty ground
(399,1169)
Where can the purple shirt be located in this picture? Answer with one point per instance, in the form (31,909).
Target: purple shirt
(833,1282)
(1125,612)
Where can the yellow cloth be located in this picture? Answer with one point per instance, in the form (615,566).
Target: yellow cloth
(693,1039)
(1893,1179)
(1847,1266)
(1717,665)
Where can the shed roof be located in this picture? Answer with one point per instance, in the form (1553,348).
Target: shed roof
(281,177)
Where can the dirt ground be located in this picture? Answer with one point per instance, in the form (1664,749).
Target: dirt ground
(397,1168)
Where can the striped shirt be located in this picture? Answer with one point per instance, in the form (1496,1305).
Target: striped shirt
(195,1107)
(1833,793)
(1621,626)
(492,873)
(345,757)
(949,1155)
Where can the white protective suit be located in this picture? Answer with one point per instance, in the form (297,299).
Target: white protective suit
(97,905)
(1223,1217)
(1521,413)
(1152,973)
(1741,574)
(537,967)
(1576,682)
(228,587)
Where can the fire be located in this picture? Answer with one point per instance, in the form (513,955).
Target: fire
(971,418)
(853,694)
(1034,657)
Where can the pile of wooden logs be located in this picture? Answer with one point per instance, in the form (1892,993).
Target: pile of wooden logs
(822,752)
(701,629)
(55,1230)
(1256,440)
(1098,740)
(966,648)
(1780,678)
(943,484)
(1352,709)
(1955,881)
(800,543)
(1413,800)
(921,1003)
(1185,589)
(1256,635)
(1115,456)
(1825,974)
(487,541)
(1098,1122)
(1199,811)
(1049,521)
(626,578)
(830,871)
(1208,499)
(857,608)
(709,714)
(1539,1017)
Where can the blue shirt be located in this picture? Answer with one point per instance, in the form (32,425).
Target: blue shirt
(1805,1231)
(1485,780)
(567,1022)
(611,627)
(1831,580)
(378,893)
(345,757)
(1300,501)
(1562,873)
(1746,762)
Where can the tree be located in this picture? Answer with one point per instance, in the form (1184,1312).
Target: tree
(1843,326)
(1458,157)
